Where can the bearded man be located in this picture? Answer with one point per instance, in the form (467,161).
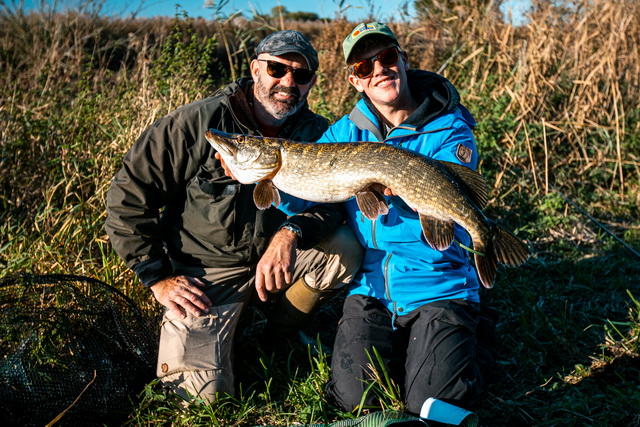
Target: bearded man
(195,237)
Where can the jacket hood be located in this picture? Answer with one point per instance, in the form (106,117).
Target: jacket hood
(435,94)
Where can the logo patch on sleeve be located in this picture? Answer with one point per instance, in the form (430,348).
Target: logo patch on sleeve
(463,153)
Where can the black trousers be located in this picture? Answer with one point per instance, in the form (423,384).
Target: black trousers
(430,352)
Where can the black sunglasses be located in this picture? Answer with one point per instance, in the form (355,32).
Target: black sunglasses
(301,76)
(387,58)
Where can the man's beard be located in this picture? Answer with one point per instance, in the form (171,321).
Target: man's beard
(280,109)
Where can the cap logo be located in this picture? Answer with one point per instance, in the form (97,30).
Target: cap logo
(362,29)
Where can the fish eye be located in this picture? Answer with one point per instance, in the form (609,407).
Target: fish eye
(241,139)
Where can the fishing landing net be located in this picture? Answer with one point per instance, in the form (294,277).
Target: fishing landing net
(70,342)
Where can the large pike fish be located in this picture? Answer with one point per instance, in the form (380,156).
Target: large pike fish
(442,193)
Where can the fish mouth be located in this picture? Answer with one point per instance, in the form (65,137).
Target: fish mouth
(222,142)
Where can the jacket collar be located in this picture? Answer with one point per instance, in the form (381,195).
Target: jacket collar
(435,94)
(239,96)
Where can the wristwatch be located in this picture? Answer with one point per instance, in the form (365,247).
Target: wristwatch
(293,228)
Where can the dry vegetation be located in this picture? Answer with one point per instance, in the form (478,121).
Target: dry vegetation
(558,108)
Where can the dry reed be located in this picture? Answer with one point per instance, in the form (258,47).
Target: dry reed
(569,77)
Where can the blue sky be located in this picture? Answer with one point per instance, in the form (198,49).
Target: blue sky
(354,10)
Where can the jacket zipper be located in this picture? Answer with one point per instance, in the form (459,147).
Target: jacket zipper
(373,234)
(387,291)
(385,275)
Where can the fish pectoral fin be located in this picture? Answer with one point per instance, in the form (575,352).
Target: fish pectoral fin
(265,194)
(439,233)
(371,205)
(383,207)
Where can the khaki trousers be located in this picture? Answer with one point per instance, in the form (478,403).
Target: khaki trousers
(195,354)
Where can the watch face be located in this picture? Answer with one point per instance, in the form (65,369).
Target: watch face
(293,228)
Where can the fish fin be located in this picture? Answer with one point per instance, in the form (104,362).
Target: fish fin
(265,194)
(509,249)
(471,181)
(439,233)
(370,204)
(486,264)
(505,248)
(383,207)
(276,195)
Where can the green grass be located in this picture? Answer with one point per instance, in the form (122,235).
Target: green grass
(280,390)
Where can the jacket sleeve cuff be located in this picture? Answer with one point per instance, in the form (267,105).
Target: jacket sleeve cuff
(153,270)
(307,229)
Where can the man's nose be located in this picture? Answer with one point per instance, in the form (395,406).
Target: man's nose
(378,67)
(287,79)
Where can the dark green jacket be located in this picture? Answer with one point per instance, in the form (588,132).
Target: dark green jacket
(171,199)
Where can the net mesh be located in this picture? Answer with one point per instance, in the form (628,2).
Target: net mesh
(70,342)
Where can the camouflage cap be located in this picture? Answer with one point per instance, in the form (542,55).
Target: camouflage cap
(289,41)
(363,30)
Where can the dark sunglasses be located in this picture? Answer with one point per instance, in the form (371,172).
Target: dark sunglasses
(387,58)
(301,76)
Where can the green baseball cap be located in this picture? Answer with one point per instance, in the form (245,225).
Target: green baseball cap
(363,30)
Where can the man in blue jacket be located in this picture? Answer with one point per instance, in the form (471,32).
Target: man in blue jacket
(417,306)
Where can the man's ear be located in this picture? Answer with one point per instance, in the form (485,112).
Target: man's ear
(405,59)
(313,81)
(356,82)
(255,68)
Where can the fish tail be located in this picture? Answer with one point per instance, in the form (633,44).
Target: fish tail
(509,249)
(503,247)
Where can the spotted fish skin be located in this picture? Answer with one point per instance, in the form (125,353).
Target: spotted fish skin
(442,193)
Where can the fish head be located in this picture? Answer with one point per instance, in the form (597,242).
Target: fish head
(250,158)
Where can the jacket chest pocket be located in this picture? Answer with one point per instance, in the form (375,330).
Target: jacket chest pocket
(218,189)
(210,211)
